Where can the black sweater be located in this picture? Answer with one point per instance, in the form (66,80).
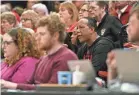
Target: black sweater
(97,53)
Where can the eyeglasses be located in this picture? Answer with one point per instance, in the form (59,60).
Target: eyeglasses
(7,42)
(83,10)
(25,19)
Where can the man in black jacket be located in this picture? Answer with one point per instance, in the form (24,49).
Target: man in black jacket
(107,26)
(95,48)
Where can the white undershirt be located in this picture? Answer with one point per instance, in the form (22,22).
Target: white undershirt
(122,11)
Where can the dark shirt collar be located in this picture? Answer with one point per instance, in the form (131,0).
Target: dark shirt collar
(103,19)
(98,38)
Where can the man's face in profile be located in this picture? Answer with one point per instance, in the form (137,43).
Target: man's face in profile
(133,28)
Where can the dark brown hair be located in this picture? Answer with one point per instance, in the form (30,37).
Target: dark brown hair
(103,4)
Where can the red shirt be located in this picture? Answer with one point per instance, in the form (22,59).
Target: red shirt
(71,28)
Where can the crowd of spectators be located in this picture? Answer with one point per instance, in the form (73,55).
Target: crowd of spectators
(38,38)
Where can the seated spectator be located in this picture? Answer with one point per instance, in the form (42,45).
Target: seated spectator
(8,21)
(51,34)
(20,55)
(107,26)
(40,9)
(84,11)
(95,47)
(133,37)
(123,34)
(29,19)
(69,15)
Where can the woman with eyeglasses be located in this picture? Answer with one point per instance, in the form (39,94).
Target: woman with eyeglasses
(21,56)
(29,19)
(84,11)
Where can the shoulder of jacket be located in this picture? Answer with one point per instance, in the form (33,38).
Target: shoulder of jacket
(105,40)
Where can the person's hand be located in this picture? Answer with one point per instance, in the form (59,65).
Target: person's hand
(131,46)
(7,84)
(134,47)
(1,83)
(112,68)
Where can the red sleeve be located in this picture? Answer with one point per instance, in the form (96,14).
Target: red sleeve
(26,86)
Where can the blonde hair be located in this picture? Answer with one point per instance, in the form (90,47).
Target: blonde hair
(9,16)
(31,15)
(72,9)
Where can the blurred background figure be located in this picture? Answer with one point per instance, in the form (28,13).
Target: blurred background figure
(56,5)
(29,19)
(18,10)
(78,3)
(68,14)
(107,25)
(8,21)
(41,9)
(84,11)
(112,8)
(5,7)
(30,3)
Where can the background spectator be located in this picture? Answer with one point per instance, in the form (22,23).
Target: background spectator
(68,14)
(93,44)
(84,11)
(41,9)
(107,26)
(30,3)
(29,19)
(8,21)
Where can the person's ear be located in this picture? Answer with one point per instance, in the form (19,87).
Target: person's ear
(103,8)
(13,25)
(56,35)
(92,29)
